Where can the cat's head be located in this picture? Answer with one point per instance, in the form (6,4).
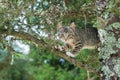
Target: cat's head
(66,34)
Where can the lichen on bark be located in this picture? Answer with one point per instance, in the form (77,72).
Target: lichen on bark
(110,52)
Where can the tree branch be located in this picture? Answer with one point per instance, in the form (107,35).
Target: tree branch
(41,42)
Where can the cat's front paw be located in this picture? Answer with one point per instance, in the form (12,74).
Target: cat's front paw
(70,54)
(101,35)
(59,47)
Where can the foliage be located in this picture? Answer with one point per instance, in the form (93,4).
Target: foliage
(28,35)
(41,66)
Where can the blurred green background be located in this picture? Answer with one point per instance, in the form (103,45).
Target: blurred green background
(23,59)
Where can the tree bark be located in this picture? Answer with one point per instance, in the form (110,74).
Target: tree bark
(110,31)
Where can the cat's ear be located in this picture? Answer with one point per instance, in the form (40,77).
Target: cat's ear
(59,25)
(72,25)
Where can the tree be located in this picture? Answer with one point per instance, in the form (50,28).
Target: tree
(34,23)
(109,21)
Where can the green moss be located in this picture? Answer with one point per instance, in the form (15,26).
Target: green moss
(118,45)
(114,25)
(117,66)
(107,72)
(107,49)
(108,44)
(110,41)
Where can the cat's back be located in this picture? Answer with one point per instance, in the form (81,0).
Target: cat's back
(89,35)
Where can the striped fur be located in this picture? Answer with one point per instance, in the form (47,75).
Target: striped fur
(76,39)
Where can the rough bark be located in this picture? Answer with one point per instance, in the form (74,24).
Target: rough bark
(110,49)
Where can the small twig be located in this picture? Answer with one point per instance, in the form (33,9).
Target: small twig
(88,75)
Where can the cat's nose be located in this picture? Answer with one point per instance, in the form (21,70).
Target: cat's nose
(65,39)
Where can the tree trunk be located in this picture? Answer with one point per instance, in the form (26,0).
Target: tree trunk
(109,28)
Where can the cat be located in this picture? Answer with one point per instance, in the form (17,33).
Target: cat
(75,39)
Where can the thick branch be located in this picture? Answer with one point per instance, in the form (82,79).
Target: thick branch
(41,42)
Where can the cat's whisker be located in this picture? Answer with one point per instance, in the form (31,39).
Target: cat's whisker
(76,39)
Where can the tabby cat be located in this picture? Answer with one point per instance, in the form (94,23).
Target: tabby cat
(75,39)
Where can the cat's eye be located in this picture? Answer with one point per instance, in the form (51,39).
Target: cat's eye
(60,35)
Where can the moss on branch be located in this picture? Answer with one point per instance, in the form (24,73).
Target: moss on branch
(41,42)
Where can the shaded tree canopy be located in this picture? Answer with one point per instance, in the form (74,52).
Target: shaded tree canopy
(28,36)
